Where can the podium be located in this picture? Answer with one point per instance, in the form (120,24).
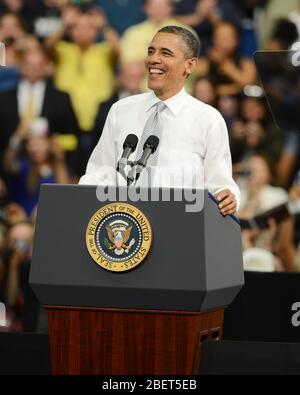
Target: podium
(151,319)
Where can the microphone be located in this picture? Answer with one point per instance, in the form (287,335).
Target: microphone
(129,147)
(149,148)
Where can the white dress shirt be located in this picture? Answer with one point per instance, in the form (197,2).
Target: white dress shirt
(194,139)
(24,89)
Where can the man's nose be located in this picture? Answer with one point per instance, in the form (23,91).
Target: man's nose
(154,58)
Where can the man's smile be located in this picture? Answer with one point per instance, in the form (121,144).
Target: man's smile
(155,72)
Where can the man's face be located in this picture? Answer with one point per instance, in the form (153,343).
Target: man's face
(158,10)
(131,76)
(34,67)
(168,65)
(84,32)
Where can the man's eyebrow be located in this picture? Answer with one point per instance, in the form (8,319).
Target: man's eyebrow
(167,50)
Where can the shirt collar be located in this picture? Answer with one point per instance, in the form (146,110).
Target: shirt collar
(26,84)
(174,103)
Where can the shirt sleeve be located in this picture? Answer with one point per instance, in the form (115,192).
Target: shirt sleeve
(217,162)
(102,163)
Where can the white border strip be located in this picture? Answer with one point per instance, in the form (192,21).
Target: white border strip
(2,55)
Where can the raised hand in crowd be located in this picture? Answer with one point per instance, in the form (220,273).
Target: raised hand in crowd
(207,9)
(204,10)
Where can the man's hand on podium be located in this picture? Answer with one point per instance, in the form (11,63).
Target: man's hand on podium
(227,202)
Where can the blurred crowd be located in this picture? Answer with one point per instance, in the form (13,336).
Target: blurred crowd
(68,61)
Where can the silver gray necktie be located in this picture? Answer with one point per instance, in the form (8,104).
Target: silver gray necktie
(153,126)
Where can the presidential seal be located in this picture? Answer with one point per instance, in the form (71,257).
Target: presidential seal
(118,237)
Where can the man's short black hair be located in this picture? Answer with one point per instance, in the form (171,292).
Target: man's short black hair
(190,40)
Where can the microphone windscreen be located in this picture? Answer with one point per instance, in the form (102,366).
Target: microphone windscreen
(131,141)
(152,142)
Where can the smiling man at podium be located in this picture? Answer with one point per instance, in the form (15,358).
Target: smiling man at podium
(117,302)
(190,134)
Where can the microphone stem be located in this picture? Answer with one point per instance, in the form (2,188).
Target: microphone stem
(131,177)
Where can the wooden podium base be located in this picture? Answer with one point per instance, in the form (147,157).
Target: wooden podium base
(112,342)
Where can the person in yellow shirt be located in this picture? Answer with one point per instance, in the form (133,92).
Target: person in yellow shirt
(136,39)
(84,68)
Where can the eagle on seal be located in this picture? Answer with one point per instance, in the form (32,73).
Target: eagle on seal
(118,236)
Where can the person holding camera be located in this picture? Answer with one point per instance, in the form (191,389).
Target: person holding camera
(258,195)
(43,162)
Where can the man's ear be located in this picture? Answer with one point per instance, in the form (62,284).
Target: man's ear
(191,65)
